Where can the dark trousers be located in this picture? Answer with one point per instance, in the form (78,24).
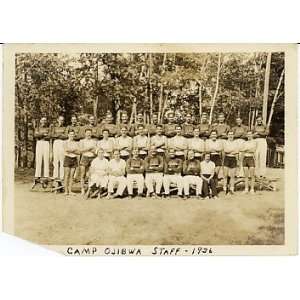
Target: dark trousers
(211,184)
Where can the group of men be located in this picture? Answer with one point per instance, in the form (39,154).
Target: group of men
(152,157)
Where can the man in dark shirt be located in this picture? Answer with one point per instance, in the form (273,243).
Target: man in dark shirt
(92,126)
(107,124)
(151,128)
(154,165)
(172,173)
(170,127)
(204,126)
(135,170)
(188,127)
(74,127)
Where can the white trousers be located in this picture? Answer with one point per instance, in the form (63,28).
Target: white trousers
(173,179)
(58,159)
(135,178)
(99,180)
(118,182)
(261,157)
(42,155)
(189,180)
(152,179)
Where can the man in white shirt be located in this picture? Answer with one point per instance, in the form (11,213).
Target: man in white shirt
(207,174)
(178,143)
(124,143)
(196,144)
(107,143)
(98,173)
(141,142)
(159,141)
(116,170)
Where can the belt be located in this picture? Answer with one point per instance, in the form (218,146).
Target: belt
(229,155)
(215,153)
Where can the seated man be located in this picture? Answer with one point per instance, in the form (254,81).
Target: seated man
(98,173)
(207,168)
(191,172)
(154,165)
(141,142)
(135,170)
(159,141)
(116,171)
(172,173)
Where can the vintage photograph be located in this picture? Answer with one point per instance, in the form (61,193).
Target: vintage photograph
(150,147)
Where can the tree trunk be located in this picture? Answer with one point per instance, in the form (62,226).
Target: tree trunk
(266,88)
(150,86)
(216,89)
(275,99)
(161,90)
(200,100)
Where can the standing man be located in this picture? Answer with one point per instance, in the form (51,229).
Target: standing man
(214,147)
(170,127)
(240,132)
(135,170)
(221,127)
(92,126)
(139,121)
(58,135)
(124,122)
(248,150)
(107,124)
(141,142)
(188,127)
(151,128)
(124,143)
(42,136)
(116,170)
(107,144)
(154,165)
(74,127)
(260,134)
(159,141)
(231,151)
(191,172)
(98,173)
(172,173)
(196,144)
(207,173)
(178,143)
(71,152)
(87,149)
(204,126)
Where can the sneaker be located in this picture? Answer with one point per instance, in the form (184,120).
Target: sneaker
(215,198)
(252,192)
(206,198)
(245,192)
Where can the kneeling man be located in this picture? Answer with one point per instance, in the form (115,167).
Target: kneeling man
(191,172)
(173,169)
(135,169)
(116,171)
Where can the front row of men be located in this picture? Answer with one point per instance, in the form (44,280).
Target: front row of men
(198,167)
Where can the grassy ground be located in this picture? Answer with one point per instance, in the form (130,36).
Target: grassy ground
(48,218)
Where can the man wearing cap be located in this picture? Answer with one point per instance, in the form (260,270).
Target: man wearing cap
(42,136)
(204,126)
(116,171)
(196,144)
(151,128)
(170,127)
(154,165)
(159,141)
(191,172)
(188,127)
(172,173)
(58,135)
(135,170)
(107,143)
(141,141)
(178,143)
(124,143)
(260,134)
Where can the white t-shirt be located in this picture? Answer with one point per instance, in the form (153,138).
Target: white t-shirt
(213,146)
(231,146)
(124,142)
(117,168)
(158,141)
(70,146)
(106,145)
(178,143)
(207,168)
(86,144)
(141,141)
(249,147)
(99,166)
(196,144)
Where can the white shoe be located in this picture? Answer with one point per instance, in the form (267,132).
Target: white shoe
(245,192)
(252,192)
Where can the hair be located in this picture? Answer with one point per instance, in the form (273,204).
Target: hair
(230,131)
(123,127)
(178,126)
(105,130)
(159,126)
(141,126)
(71,131)
(88,129)
(116,150)
(215,131)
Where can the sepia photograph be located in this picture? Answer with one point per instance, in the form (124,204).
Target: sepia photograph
(151,146)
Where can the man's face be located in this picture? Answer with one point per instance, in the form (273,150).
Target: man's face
(88,134)
(135,153)
(43,122)
(207,157)
(204,118)
(152,153)
(172,153)
(92,120)
(123,131)
(74,121)
(105,134)
(239,121)
(124,118)
(109,119)
(141,130)
(196,132)
(117,155)
(213,136)
(100,153)
(250,135)
(191,155)
(140,118)
(155,119)
(178,131)
(188,119)
(171,119)
(230,136)
(60,121)
(259,121)
(221,119)
(71,135)
(159,130)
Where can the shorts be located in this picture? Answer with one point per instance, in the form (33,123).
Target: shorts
(248,162)
(86,161)
(70,162)
(230,162)
(216,158)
